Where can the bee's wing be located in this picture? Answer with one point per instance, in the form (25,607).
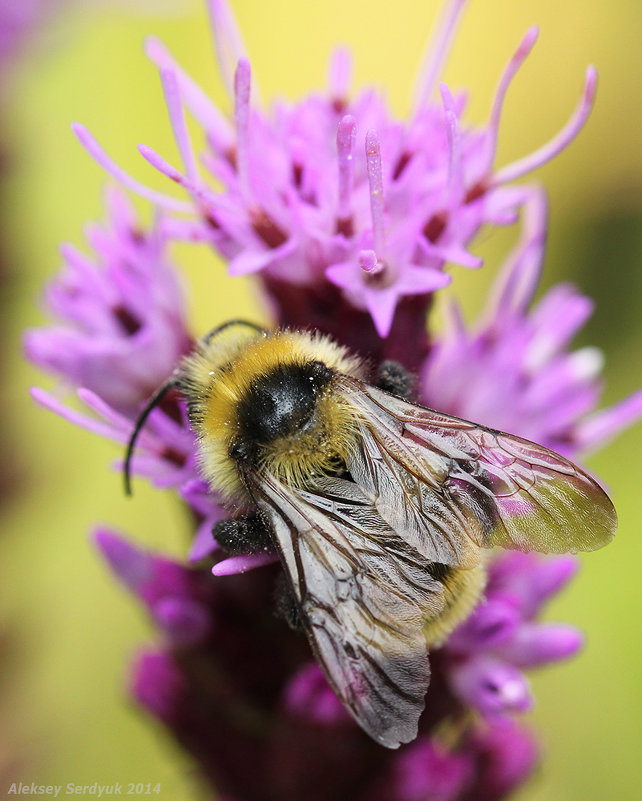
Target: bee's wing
(444,484)
(363,594)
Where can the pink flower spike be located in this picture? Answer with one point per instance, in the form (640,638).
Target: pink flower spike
(437,52)
(340,73)
(523,166)
(228,42)
(218,127)
(520,55)
(99,155)
(242,80)
(345,149)
(177,120)
(241,564)
(455,187)
(375,180)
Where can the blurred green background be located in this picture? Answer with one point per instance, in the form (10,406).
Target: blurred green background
(67,631)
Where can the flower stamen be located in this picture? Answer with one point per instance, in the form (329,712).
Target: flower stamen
(177,120)
(437,51)
(242,80)
(220,133)
(228,42)
(375,181)
(345,149)
(454,187)
(520,55)
(339,77)
(100,157)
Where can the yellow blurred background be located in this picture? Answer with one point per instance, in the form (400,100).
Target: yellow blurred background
(67,631)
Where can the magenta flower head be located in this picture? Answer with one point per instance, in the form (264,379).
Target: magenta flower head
(350,220)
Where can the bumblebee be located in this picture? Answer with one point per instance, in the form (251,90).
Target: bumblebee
(380,509)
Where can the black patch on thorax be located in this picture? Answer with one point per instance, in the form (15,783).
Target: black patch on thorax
(278,404)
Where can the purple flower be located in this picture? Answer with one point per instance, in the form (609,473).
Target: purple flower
(547,393)
(348,218)
(487,652)
(243,691)
(347,215)
(122,320)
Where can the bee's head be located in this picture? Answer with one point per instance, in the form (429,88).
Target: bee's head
(258,398)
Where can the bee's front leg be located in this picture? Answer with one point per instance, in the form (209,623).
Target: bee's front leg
(243,535)
(249,534)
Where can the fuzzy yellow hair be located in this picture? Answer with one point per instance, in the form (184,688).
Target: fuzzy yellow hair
(222,372)
(462,590)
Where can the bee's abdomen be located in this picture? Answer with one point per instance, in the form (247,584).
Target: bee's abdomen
(281,403)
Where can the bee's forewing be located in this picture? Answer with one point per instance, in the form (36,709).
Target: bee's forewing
(444,484)
(363,594)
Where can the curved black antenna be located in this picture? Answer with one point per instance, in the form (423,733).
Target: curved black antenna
(210,336)
(160,393)
(152,403)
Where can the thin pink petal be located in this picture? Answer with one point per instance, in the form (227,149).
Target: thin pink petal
(520,55)
(228,42)
(382,303)
(523,166)
(72,416)
(453,133)
(437,51)
(601,427)
(177,120)
(99,155)
(215,123)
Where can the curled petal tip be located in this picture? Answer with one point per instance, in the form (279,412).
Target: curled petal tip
(243,73)
(530,37)
(446,95)
(590,83)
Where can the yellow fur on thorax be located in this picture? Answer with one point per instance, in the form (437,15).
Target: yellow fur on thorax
(222,374)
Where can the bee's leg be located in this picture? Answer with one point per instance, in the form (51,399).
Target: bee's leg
(394,378)
(285,605)
(242,535)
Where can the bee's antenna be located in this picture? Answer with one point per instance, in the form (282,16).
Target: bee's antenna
(160,393)
(209,336)
(152,403)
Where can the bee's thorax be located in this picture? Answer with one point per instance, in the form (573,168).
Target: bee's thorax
(280,404)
